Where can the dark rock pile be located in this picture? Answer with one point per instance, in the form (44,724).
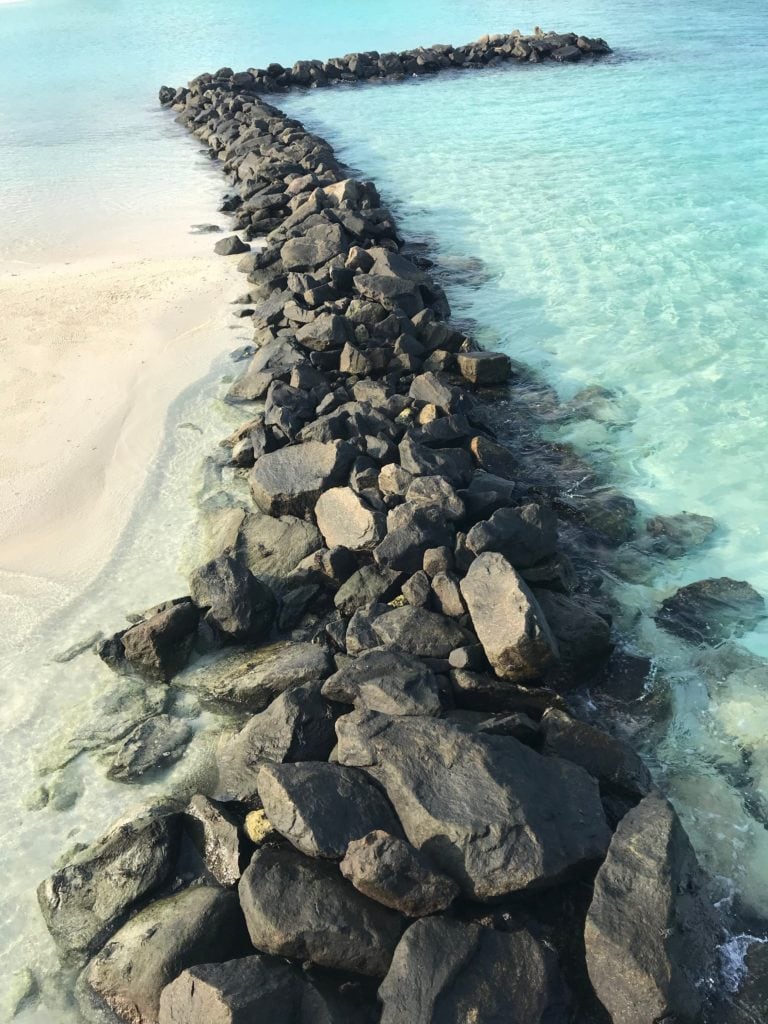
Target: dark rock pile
(409,789)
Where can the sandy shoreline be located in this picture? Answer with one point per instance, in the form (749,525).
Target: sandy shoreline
(94,353)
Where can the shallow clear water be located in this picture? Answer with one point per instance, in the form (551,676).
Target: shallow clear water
(620,210)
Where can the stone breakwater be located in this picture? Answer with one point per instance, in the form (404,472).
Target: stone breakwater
(411,825)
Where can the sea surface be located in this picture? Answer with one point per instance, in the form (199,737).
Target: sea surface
(620,211)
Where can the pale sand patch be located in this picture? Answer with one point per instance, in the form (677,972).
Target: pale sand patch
(93,354)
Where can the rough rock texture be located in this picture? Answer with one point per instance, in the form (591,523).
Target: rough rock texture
(215,834)
(321,808)
(710,611)
(271,548)
(651,930)
(84,902)
(192,927)
(304,909)
(457,973)
(523,535)
(419,632)
(290,480)
(583,637)
(345,520)
(158,647)
(387,869)
(272,670)
(237,606)
(388,681)
(152,745)
(507,619)
(487,810)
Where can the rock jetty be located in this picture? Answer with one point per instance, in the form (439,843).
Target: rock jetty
(409,791)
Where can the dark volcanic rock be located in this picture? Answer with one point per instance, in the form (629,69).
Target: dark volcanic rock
(273,547)
(404,545)
(367,585)
(215,835)
(298,726)
(419,632)
(165,938)
(253,684)
(651,930)
(445,970)
(608,759)
(292,479)
(156,743)
(302,908)
(710,611)
(84,902)
(230,246)
(583,637)
(388,681)
(507,619)
(485,367)
(320,808)
(391,871)
(673,536)
(509,819)
(237,605)
(524,535)
(159,647)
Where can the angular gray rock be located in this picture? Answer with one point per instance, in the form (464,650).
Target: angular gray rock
(237,606)
(303,909)
(215,835)
(507,619)
(484,367)
(230,246)
(163,939)
(523,535)
(269,671)
(710,611)
(297,726)
(345,520)
(385,868)
(417,529)
(387,681)
(368,585)
(457,973)
(273,547)
(84,902)
(158,647)
(651,931)
(321,808)
(583,637)
(508,820)
(420,632)
(611,761)
(152,745)
(290,480)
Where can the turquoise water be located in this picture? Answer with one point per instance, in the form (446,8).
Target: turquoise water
(620,210)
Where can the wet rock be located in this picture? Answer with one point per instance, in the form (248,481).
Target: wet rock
(583,637)
(321,808)
(524,536)
(157,647)
(710,611)
(509,820)
(84,902)
(651,930)
(484,367)
(302,908)
(369,584)
(674,536)
(291,480)
(216,837)
(420,632)
(507,619)
(449,971)
(273,361)
(165,938)
(273,547)
(230,246)
(156,743)
(237,606)
(297,726)
(388,681)
(495,458)
(385,868)
(255,682)
(611,761)
(345,520)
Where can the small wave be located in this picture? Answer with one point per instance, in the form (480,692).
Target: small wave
(733,959)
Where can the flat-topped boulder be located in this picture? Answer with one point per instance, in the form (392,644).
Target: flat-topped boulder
(652,931)
(418,631)
(254,682)
(484,367)
(345,520)
(445,970)
(509,820)
(507,619)
(303,909)
(321,808)
(290,480)
(710,611)
(273,547)
(524,535)
(388,681)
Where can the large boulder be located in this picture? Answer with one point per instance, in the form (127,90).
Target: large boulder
(446,970)
(290,480)
(388,681)
(298,726)
(238,607)
(345,520)
(157,647)
(368,585)
(523,535)
(414,530)
(319,244)
(254,683)
(321,808)
(302,908)
(418,631)
(165,938)
(583,637)
(651,931)
(508,819)
(86,900)
(710,611)
(507,619)
(272,547)
(387,869)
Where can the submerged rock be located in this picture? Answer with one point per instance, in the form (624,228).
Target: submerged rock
(302,908)
(156,743)
(710,611)
(651,930)
(445,970)
(508,820)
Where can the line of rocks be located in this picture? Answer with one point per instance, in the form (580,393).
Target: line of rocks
(409,796)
